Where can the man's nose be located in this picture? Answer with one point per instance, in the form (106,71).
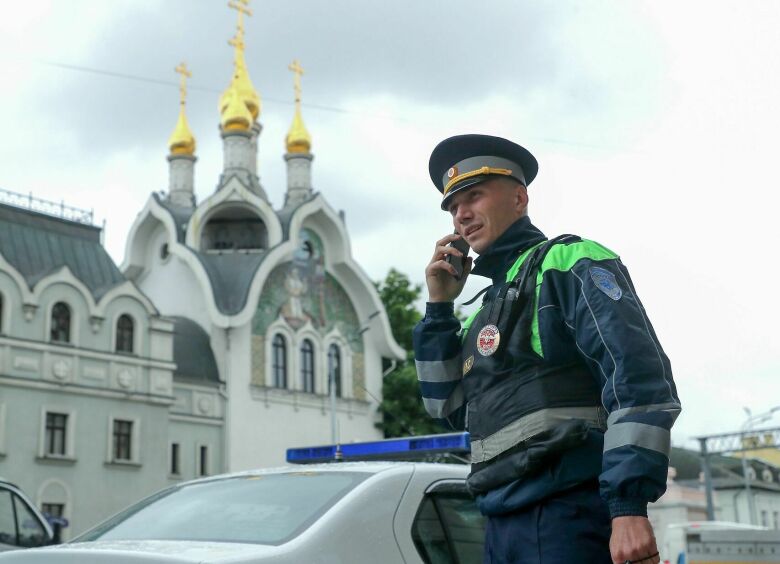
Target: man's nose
(463,213)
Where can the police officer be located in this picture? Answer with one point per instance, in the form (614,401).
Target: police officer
(558,377)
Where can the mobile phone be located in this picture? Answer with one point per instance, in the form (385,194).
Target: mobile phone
(459,262)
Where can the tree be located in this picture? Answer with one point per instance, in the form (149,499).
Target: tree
(402,408)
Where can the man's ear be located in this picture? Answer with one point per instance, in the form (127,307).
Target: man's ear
(521,198)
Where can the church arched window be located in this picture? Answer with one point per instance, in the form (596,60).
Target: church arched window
(124,334)
(279,366)
(307,366)
(60,323)
(334,369)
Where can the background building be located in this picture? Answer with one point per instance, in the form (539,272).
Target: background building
(214,347)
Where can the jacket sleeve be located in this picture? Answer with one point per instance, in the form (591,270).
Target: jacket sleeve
(615,338)
(437,354)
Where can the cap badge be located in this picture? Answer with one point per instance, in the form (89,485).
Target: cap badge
(453,171)
(488,339)
(606,282)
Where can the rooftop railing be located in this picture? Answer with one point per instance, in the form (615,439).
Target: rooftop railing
(48,207)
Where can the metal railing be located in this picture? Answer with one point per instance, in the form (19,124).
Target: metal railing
(48,207)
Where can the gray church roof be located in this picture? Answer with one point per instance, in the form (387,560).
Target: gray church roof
(181,216)
(192,353)
(37,245)
(231,275)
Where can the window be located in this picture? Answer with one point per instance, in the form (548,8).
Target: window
(60,323)
(776,519)
(56,434)
(203,461)
(123,436)
(31,531)
(175,459)
(239,509)
(19,526)
(446,525)
(53,510)
(334,369)
(279,367)
(307,366)
(764,518)
(124,334)
(1,313)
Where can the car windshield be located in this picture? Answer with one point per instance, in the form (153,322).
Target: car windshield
(264,509)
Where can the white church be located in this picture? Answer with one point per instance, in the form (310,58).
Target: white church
(231,332)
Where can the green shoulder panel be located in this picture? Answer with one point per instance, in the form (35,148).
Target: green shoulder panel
(563,258)
(559,257)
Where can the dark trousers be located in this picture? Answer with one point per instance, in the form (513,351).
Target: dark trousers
(572,527)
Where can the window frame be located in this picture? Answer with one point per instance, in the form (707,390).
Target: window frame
(174,459)
(276,369)
(69,436)
(339,366)
(71,324)
(121,333)
(307,349)
(135,447)
(448,488)
(201,461)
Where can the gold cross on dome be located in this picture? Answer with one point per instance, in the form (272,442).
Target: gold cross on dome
(242,7)
(295,67)
(185,73)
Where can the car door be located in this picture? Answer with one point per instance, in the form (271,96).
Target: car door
(20,525)
(438,522)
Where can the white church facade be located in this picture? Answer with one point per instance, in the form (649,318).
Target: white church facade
(231,331)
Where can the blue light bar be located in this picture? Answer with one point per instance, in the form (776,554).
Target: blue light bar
(406,448)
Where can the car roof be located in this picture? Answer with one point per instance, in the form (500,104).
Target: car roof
(370,467)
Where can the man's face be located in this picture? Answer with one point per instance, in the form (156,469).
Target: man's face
(484,211)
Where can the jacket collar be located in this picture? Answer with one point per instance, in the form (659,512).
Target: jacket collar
(497,259)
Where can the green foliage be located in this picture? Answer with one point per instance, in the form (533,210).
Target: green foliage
(398,295)
(402,408)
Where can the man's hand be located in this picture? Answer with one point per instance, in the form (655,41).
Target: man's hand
(440,275)
(633,541)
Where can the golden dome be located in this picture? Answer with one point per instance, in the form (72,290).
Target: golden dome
(242,85)
(298,138)
(181,141)
(235,114)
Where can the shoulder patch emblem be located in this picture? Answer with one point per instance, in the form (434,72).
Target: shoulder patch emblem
(606,282)
(468,364)
(488,339)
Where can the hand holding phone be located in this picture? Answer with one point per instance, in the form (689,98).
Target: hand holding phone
(459,262)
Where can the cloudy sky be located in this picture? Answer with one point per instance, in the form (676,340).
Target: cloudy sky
(654,124)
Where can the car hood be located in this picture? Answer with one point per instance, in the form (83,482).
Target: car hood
(140,552)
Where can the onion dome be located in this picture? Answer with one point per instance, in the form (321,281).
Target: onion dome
(182,141)
(235,114)
(298,139)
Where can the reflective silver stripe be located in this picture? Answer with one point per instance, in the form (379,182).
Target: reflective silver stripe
(638,434)
(672,407)
(528,426)
(441,408)
(439,370)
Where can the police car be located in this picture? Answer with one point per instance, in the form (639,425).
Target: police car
(377,510)
(21,524)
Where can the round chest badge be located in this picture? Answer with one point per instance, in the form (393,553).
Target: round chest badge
(488,339)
